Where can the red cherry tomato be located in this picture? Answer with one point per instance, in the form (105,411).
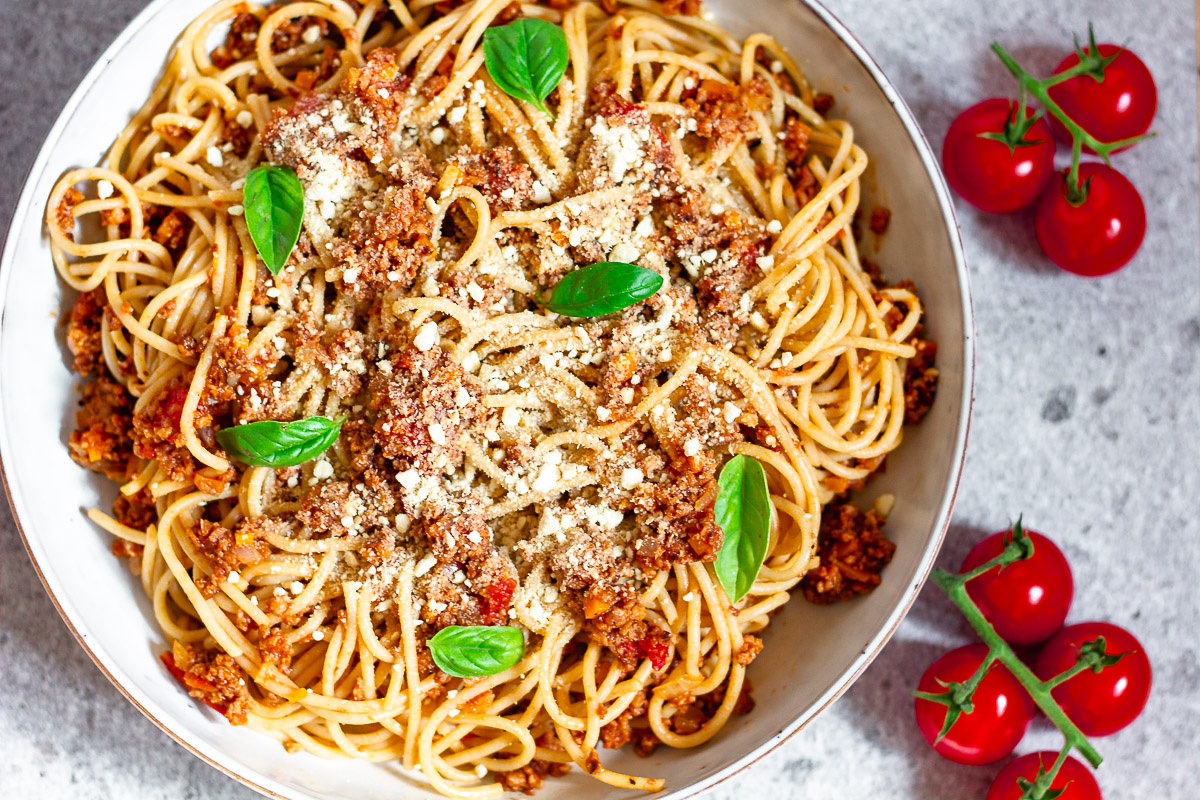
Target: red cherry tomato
(1076,780)
(1102,702)
(1028,600)
(1120,106)
(984,171)
(1002,709)
(1102,233)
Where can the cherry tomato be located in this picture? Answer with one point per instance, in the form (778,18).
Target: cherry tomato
(1002,709)
(985,172)
(1074,779)
(1102,233)
(1102,702)
(1120,106)
(1028,600)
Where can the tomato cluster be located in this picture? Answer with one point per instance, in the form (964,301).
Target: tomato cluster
(999,156)
(1026,602)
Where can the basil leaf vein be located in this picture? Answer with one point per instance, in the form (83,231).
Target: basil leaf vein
(603,288)
(476,651)
(273,203)
(743,512)
(280,444)
(526,59)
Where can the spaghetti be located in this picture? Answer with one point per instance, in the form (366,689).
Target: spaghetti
(498,464)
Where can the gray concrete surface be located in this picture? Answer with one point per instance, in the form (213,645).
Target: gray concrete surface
(1086,420)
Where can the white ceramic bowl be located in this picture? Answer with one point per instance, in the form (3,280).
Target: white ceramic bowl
(813,653)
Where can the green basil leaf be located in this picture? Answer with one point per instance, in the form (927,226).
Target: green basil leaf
(273,202)
(476,651)
(743,512)
(526,59)
(280,444)
(603,288)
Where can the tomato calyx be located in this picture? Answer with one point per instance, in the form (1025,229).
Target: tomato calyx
(1074,190)
(1016,128)
(1039,787)
(1018,546)
(1093,655)
(957,697)
(1091,62)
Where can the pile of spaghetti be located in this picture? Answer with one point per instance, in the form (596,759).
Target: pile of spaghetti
(497,464)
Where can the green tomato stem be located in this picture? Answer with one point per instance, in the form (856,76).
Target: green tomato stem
(1065,75)
(963,695)
(955,588)
(1010,553)
(1067,674)
(1076,193)
(1058,762)
(967,688)
(1045,779)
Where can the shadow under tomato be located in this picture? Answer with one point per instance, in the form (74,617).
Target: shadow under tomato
(881,706)
(932,609)
(880,703)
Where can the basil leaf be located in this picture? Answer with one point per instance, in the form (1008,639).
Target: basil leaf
(526,59)
(273,200)
(743,512)
(603,288)
(280,444)
(476,651)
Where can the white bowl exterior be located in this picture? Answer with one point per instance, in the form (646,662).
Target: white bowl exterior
(812,653)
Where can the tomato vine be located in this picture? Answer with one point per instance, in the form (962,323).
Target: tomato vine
(1092,655)
(1091,63)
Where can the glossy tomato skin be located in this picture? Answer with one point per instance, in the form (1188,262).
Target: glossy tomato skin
(1076,780)
(1102,702)
(983,171)
(1120,106)
(1100,235)
(1028,600)
(1002,710)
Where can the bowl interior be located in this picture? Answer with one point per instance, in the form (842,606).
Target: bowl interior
(812,653)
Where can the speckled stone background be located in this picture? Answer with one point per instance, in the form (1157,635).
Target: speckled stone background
(1087,416)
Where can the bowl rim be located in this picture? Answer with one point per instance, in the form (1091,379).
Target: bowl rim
(879,639)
